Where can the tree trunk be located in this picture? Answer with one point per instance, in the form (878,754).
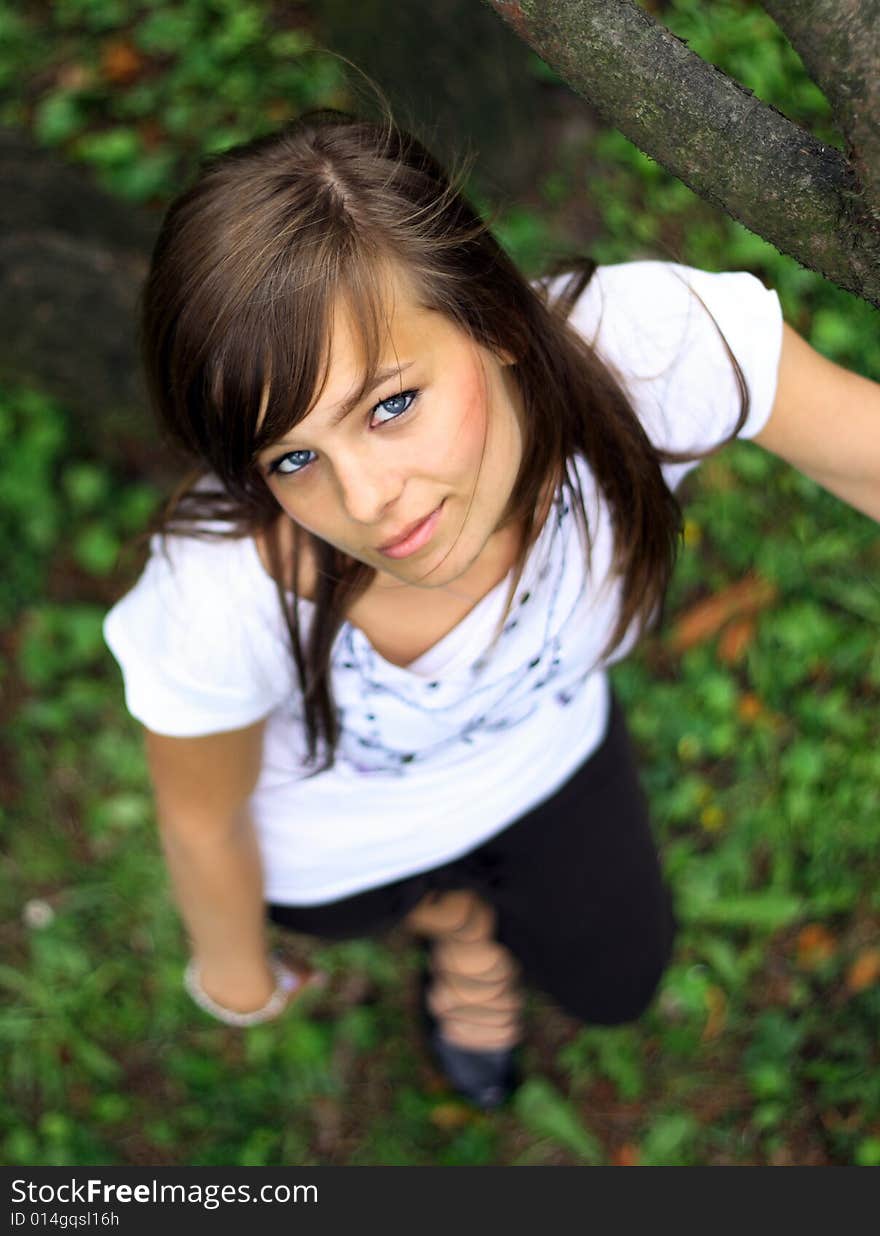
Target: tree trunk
(72,259)
(455,77)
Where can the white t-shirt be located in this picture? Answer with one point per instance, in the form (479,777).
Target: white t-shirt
(437,757)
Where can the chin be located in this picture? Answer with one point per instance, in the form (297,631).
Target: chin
(450,569)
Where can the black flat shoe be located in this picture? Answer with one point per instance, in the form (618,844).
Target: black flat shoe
(486,1078)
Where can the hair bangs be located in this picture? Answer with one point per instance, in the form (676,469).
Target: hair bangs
(297,347)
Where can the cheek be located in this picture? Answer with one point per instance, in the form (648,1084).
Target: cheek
(309,515)
(470,424)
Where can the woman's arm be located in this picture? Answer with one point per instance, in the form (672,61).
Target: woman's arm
(825,421)
(202,786)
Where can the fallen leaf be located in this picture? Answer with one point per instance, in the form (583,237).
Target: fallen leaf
(864,971)
(692,533)
(735,639)
(750,707)
(326,1114)
(626,1155)
(151,133)
(278,110)
(712,818)
(815,945)
(821,673)
(74,76)
(716,1003)
(705,619)
(834,1121)
(718,475)
(448,1116)
(121,62)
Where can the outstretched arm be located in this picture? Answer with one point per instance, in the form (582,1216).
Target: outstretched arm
(825,421)
(201,787)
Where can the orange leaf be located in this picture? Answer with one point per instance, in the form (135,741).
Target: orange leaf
(815,944)
(864,971)
(121,62)
(705,619)
(451,1116)
(277,110)
(626,1155)
(735,639)
(750,706)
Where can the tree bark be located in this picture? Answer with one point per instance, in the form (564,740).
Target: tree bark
(711,132)
(839,43)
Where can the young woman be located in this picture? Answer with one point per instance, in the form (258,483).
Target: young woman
(431,503)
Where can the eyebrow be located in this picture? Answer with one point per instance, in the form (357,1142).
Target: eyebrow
(382,375)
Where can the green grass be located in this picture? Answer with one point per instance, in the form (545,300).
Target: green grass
(763,774)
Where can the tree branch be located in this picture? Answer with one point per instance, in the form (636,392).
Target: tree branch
(711,132)
(839,43)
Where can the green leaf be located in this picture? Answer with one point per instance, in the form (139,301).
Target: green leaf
(289,43)
(96,549)
(614,1050)
(97,1062)
(868,1152)
(832,332)
(167,30)
(545,1112)
(95,15)
(58,117)
(13,979)
(86,484)
(150,174)
(135,506)
(110,149)
(58,639)
(669,1140)
(766,911)
(538,68)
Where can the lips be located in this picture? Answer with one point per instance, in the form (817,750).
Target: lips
(412,537)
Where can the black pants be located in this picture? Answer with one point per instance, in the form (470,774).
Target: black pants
(576,884)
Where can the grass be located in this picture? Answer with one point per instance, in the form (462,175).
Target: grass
(760,757)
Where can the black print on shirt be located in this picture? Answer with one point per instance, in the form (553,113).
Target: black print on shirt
(498,706)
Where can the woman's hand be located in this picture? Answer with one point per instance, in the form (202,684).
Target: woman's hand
(266,991)
(240,992)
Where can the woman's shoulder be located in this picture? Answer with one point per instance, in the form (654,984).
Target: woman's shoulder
(199,584)
(200,637)
(644,307)
(665,329)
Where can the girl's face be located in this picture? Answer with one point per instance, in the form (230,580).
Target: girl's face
(435,447)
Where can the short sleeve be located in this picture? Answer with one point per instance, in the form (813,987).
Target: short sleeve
(200,639)
(645,322)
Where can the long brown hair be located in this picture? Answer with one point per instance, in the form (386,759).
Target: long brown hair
(248,265)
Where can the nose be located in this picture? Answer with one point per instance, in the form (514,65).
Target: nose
(368,488)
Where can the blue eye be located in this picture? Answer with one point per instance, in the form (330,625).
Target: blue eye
(294,459)
(408,395)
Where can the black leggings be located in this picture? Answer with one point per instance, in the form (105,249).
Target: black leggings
(576,884)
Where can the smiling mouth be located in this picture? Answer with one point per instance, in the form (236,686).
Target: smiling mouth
(414,538)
